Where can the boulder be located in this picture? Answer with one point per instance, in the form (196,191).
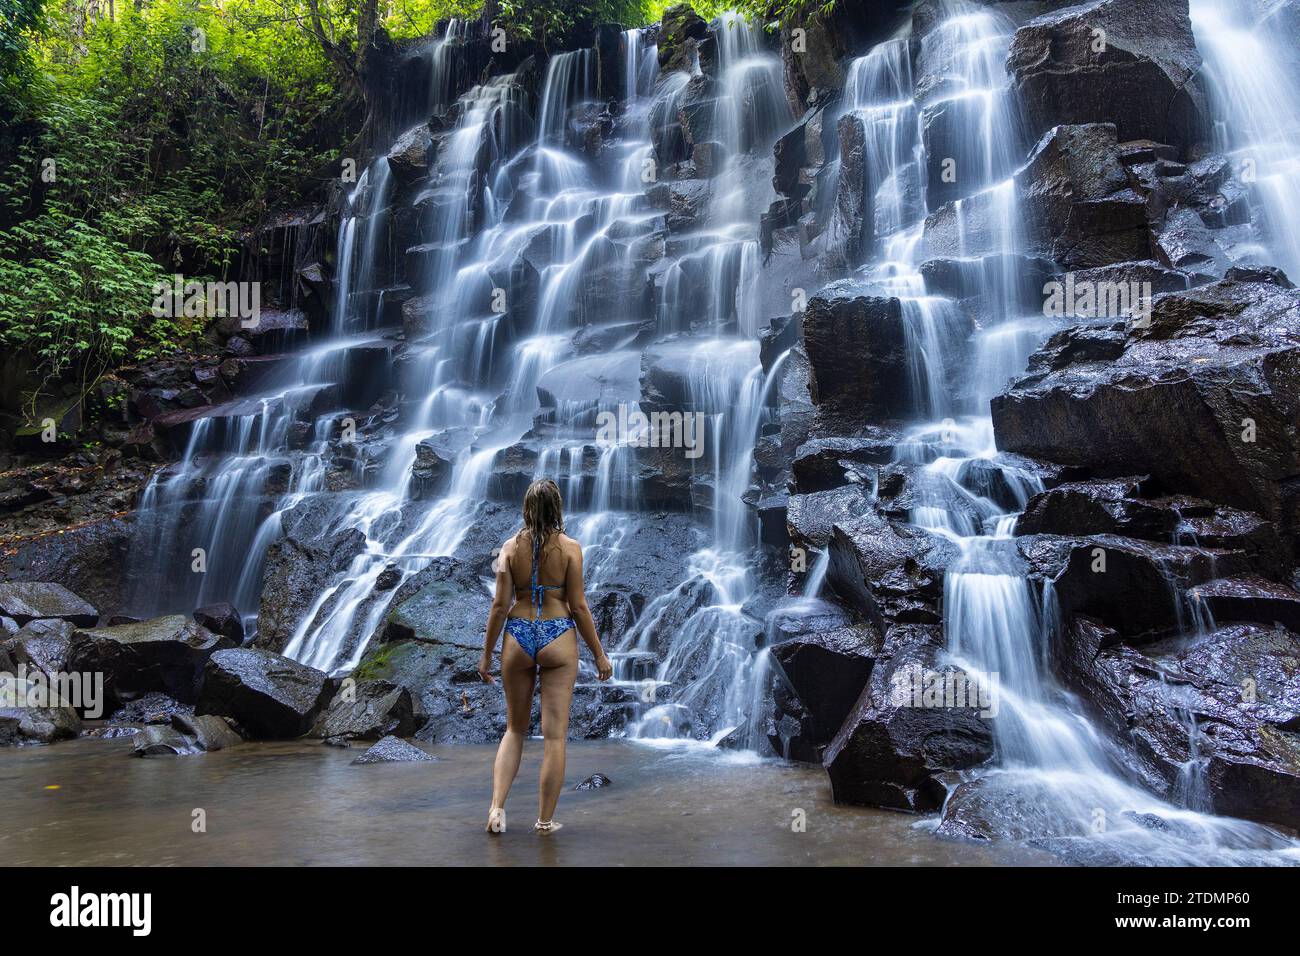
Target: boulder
(1133,62)
(1212,720)
(368,710)
(412,155)
(269,696)
(25,601)
(828,671)
(393,750)
(1137,587)
(857,353)
(1203,399)
(33,711)
(222,618)
(897,743)
(824,463)
(680,31)
(889,573)
(165,654)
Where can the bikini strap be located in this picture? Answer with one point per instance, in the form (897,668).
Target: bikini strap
(539,593)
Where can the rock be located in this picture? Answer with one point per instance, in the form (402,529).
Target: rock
(1134,586)
(1079,208)
(828,671)
(25,601)
(824,463)
(165,654)
(161,741)
(893,747)
(411,156)
(368,711)
(853,218)
(1240,688)
(1139,70)
(888,573)
(33,711)
(271,697)
(393,750)
(446,602)
(1202,399)
(594,782)
(1184,243)
(222,618)
(44,643)
(811,518)
(434,459)
(1249,598)
(685,201)
(1097,507)
(308,554)
(679,35)
(208,731)
(857,352)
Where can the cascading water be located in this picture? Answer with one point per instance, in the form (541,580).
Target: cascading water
(1054,776)
(1251,71)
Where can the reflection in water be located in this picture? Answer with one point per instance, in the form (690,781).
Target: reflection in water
(300,804)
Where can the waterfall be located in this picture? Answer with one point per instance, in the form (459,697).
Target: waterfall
(1250,71)
(1054,774)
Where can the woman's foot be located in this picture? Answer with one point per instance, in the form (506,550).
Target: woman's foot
(496,820)
(546,826)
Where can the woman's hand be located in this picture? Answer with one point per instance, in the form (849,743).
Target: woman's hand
(604,669)
(485,669)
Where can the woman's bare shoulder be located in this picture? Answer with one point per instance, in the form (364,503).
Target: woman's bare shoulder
(570,545)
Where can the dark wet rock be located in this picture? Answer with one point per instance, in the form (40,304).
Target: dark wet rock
(886,572)
(187,734)
(856,348)
(1249,598)
(44,644)
(1098,507)
(1238,686)
(1202,399)
(151,707)
(410,157)
(824,463)
(447,602)
(1078,206)
(270,696)
(893,747)
(811,518)
(434,459)
(166,654)
(595,782)
(1136,586)
(368,710)
(1183,242)
(309,554)
(966,278)
(221,618)
(828,671)
(1141,76)
(450,702)
(831,35)
(853,217)
(24,601)
(393,750)
(685,202)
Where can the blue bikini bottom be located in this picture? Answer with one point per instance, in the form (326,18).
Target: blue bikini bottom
(533,635)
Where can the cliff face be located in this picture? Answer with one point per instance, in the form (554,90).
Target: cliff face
(978,313)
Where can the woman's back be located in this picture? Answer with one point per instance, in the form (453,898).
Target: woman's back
(552,572)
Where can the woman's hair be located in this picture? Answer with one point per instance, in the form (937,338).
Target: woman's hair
(543,511)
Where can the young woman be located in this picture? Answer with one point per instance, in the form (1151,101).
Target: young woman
(540,600)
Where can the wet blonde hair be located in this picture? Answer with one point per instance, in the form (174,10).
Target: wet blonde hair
(543,511)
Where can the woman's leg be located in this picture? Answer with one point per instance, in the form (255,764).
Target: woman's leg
(518,675)
(558,661)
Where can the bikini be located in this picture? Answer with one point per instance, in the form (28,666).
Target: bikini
(532,635)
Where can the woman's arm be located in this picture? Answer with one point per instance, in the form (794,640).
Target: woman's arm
(502,600)
(576,596)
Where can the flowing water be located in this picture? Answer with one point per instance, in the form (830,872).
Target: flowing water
(1055,779)
(535,241)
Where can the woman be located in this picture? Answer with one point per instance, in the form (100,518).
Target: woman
(540,600)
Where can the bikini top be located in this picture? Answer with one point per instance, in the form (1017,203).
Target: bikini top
(539,590)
